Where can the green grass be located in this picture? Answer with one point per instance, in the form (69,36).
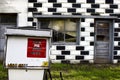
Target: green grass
(3,72)
(86,71)
(79,72)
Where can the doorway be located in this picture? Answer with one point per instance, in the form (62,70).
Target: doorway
(103,41)
(6,20)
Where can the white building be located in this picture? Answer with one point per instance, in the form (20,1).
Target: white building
(83,30)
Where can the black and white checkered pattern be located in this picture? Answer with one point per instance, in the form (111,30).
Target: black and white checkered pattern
(85,51)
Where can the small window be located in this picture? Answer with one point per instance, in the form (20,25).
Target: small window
(8,18)
(64,30)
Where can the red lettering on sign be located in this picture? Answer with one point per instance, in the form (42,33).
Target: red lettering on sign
(36,48)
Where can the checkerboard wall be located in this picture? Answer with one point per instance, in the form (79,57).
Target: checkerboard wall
(85,51)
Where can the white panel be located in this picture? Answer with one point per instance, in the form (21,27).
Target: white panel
(80,1)
(115,61)
(56,61)
(104,6)
(115,43)
(85,34)
(22,19)
(74,52)
(42,9)
(89,48)
(42,1)
(69,57)
(80,10)
(100,10)
(90,29)
(91,53)
(67,5)
(70,47)
(85,5)
(117,11)
(47,5)
(84,43)
(61,9)
(88,57)
(30,4)
(116,25)
(89,38)
(118,52)
(47,13)
(52,57)
(62,1)
(89,20)
(85,24)
(55,52)
(66,13)
(53,47)
(74,61)
(105,14)
(29,23)
(99,1)
(91,61)
(23,74)
(116,1)
(30,14)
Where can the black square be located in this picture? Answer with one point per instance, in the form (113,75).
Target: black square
(79,48)
(82,38)
(30,18)
(65,52)
(71,10)
(114,6)
(92,34)
(57,14)
(79,57)
(65,61)
(60,47)
(51,9)
(109,1)
(91,43)
(116,48)
(117,39)
(116,57)
(52,1)
(34,24)
(91,10)
(82,19)
(32,1)
(76,5)
(115,34)
(76,13)
(84,52)
(60,57)
(91,24)
(115,52)
(32,10)
(82,29)
(71,1)
(57,5)
(95,6)
(37,4)
(109,11)
(90,1)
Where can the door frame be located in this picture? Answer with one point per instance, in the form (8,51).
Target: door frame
(111,39)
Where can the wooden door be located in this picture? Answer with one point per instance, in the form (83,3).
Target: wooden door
(103,42)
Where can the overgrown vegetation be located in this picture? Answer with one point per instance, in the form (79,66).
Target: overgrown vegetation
(79,72)
(86,71)
(3,72)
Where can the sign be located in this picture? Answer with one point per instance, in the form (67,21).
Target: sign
(36,48)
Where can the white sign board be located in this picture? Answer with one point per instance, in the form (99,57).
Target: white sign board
(27,51)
